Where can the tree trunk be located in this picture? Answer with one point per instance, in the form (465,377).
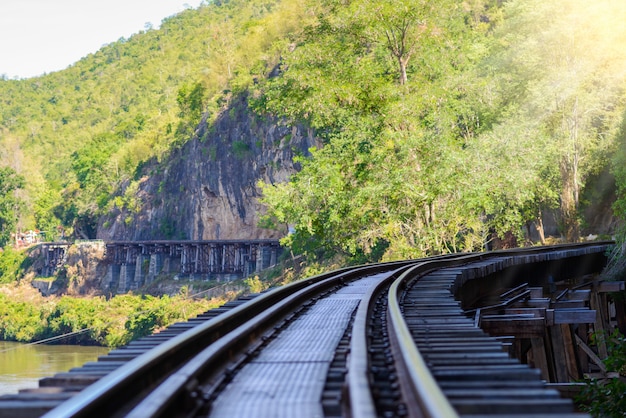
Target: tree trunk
(402,62)
(540,229)
(569,204)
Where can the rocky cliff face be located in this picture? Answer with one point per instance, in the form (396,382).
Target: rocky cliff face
(207,189)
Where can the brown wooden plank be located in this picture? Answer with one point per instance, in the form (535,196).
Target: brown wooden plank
(568,304)
(570,352)
(574,316)
(536,292)
(580,294)
(608,287)
(540,360)
(519,328)
(534,303)
(596,305)
(536,312)
(558,352)
(549,317)
(592,355)
(582,331)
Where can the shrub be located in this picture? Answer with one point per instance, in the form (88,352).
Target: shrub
(605,397)
(12,263)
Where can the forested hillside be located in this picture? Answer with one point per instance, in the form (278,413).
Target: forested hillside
(444,126)
(80,136)
(452,123)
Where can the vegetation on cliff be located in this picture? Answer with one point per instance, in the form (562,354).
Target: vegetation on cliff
(445,126)
(492,118)
(81,136)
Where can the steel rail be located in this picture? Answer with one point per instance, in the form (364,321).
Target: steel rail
(420,389)
(422,393)
(156,365)
(199,369)
(361,401)
(215,339)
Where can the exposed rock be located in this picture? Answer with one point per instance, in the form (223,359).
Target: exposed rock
(84,268)
(207,189)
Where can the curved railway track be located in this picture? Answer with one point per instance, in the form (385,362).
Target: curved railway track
(392,339)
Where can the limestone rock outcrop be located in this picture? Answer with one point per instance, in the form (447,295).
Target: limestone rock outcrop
(208,188)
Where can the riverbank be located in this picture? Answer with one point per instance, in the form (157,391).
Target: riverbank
(81,314)
(26,315)
(23,365)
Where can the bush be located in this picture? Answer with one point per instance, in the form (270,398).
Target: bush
(94,320)
(605,397)
(20,321)
(12,264)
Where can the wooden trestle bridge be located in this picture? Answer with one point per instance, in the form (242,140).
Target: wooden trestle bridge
(131,264)
(498,334)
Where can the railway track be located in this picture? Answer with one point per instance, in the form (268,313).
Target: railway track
(392,339)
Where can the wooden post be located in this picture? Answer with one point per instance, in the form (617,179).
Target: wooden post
(558,355)
(516,349)
(570,352)
(596,305)
(592,356)
(582,331)
(540,359)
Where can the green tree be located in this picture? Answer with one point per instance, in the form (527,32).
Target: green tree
(191,101)
(402,26)
(386,174)
(43,211)
(561,70)
(10,205)
(12,264)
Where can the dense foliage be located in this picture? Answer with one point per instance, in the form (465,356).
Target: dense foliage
(445,125)
(80,136)
(604,397)
(392,131)
(495,116)
(95,320)
(10,203)
(13,264)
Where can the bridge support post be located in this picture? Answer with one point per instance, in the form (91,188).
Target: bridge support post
(112,278)
(155,267)
(259,259)
(141,269)
(272,257)
(570,352)
(599,326)
(127,276)
(581,333)
(199,259)
(171,264)
(247,267)
(55,255)
(539,357)
(558,354)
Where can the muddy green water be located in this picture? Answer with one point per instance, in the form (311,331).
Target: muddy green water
(22,365)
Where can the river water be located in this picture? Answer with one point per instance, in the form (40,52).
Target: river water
(22,365)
